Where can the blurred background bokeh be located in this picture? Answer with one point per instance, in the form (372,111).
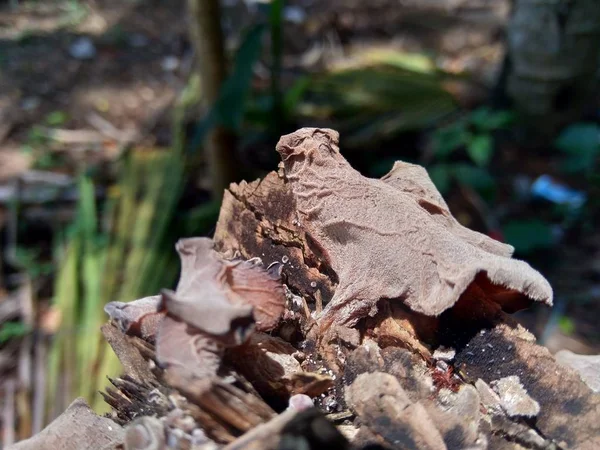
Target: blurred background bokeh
(121,122)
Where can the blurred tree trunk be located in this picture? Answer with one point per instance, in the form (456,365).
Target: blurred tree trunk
(554,50)
(208,40)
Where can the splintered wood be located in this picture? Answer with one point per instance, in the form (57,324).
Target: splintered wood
(362,297)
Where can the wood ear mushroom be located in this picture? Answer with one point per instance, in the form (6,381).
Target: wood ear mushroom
(394,237)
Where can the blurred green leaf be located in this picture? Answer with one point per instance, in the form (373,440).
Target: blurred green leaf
(46,160)
(580,138)
(30,261)
(259,111)
(448,139)
(417,62)
(480,148)
(36,136)
(581,144)
(528,235)
(486,119)
(62,358)
(380,167)
(377,102)
(232,100)
(441,175)
(56,118)
(444,174)
(90,310)
(566,325)
(276,27)
(475,177)
(11,330)
(201,219)
(293,95)
(229,108)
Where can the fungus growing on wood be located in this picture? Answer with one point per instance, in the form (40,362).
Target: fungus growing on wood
(394,238)
(218,303)
(232,350)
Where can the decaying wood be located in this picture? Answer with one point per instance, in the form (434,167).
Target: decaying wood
(265,436)
(78,428)
(274,366)
(130,399)
(453,416)
(569,410)
(293,429)
(145,433)
(259,219)
(223,410)
(414,348)
(229,405)
(134,363)
(375,396)
(587,366)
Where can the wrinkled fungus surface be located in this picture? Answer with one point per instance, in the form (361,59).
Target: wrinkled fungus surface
(394,237)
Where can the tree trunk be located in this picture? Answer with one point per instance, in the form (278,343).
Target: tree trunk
(554,49)
(207,36)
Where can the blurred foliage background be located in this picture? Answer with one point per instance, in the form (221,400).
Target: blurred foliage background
(122,122)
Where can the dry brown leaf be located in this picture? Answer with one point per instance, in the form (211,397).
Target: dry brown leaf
(250,283)
(273,366)
(394,237)
(220,297)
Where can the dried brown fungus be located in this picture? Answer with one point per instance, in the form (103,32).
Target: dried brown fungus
(394,238)
(217,304)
